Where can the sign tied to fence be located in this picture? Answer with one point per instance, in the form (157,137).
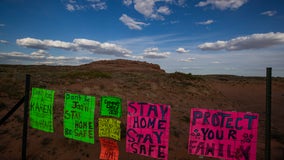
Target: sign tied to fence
(222,134)
(79,117)
(109,128)
(111,106)
(148,129)
(41,109)
(109,149)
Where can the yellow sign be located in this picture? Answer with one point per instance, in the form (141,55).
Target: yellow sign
(109,128)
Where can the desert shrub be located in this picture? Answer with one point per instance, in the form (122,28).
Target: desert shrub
(185,119)
(19,118)
(2,106)
(176,133)
(46,141)
(2,147)
(278,136)
(183,76)
(12,90)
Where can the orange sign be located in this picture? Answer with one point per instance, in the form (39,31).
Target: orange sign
(109,149)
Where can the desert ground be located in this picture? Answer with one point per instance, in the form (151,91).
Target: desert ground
(133,81)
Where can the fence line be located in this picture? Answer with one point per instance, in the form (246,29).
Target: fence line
(25,100)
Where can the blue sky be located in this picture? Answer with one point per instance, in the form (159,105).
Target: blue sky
(239,37)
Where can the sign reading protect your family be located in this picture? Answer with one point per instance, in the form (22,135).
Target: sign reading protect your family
(79,117)
(41,109)
(148,128)
(222,134)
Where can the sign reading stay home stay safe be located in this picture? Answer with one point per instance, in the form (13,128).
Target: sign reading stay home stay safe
(148,128)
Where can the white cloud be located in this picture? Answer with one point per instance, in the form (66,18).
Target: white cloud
(70,7)
(31,43)
(2,25)
(182,50)
(190,59)
(44,44)
(180,2)
(91,46)
(269,13)
(74,5)
(254,41)
(145,7)
(41,57)
(40,54)
(127,2)
(213,46)
(164,10)
(3,41)
(13,54)
(98,5)
(155,54)
(210,21)
(216,62)
(176,2)
(134,57)
(101,48)
(131,23)
(222,4)
(155,9)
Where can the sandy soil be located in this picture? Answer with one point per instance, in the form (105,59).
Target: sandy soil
(135,81)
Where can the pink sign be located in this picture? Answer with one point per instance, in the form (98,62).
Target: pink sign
(221,134)
(148,129)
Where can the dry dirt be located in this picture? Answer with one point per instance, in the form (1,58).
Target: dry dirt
(135,81)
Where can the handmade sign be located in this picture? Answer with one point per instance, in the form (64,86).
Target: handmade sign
(110,128)
(148,128)
(79,117)
(109,149)
(41,109)
(111,106)
(222,134)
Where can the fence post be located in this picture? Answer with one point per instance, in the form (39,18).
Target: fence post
(268,115)
(26,115)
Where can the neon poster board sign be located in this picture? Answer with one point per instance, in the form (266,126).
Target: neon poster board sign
(41,109)
(109,128)
(79,117)
(109,149)
(223,134)
(148,128)
(111,106)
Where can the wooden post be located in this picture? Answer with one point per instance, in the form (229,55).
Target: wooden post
(268,115)
(26,115)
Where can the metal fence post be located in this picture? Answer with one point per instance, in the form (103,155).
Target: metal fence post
(26,115)
(268,115)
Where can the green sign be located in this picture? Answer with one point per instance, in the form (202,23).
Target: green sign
(79,117)
(111,106)
(41,109)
